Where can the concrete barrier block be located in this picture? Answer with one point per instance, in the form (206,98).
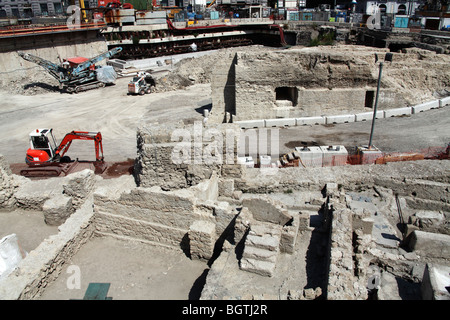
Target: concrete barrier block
(367,116)
(425,106)
(250,124)
(397,112)
(281,122)
(340,119)
(444,101)
(309,121)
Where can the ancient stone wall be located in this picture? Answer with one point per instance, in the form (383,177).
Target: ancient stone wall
(44,264)
(159,217)
(321,81)
(7,185)
(180,157)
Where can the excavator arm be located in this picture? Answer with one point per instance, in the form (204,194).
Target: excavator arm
(56,71)
(85,65)
(71,77)
(81,135)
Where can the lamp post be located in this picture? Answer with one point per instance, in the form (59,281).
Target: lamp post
(388,57)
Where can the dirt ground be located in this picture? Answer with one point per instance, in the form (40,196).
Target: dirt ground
(29,226)
(108,110)
(136,271)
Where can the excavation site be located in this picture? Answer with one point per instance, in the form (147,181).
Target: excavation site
(251,170)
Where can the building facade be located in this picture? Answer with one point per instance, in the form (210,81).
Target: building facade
(401,7)
(24,9)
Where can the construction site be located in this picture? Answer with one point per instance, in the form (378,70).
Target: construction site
(223,160)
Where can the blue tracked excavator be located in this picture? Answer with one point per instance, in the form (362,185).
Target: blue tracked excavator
(77,74)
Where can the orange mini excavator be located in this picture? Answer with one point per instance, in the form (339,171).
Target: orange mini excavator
(46,156)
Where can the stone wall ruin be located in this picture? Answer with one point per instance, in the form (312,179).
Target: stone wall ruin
(249,225)
(317,81)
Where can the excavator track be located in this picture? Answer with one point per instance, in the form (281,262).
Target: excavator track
(103,169)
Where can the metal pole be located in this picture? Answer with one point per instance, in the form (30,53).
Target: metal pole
(375,107)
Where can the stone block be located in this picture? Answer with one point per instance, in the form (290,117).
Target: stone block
(435,281)
(428,219)
(242,224)
(226,187)
(266,242)
(364,224)
(57,209)
(303,220)
(430,244)
(289,235)
(263,268)
(331,188)
(224,214)
(208,189)
(260,254)
(33,194)
(7,185)
(79,186)
(266,209)
(202,235)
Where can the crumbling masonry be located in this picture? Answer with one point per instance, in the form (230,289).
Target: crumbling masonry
(255,230)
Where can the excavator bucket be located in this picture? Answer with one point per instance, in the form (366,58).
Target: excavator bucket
(100,167)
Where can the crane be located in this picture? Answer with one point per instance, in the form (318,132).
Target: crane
(77,74)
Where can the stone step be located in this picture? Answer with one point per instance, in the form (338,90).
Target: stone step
(261,229)
(260,254)
(266,242)
(263,268)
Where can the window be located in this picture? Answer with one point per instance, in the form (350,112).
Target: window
(369,99)
(44,9)
(287,93)
(401,9)
(58,7)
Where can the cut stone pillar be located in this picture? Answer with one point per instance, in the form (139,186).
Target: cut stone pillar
(202,239)
(79,186)
(57,209)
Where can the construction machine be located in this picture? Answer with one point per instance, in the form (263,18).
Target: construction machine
(47,158)
(78,74)
(141,83)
